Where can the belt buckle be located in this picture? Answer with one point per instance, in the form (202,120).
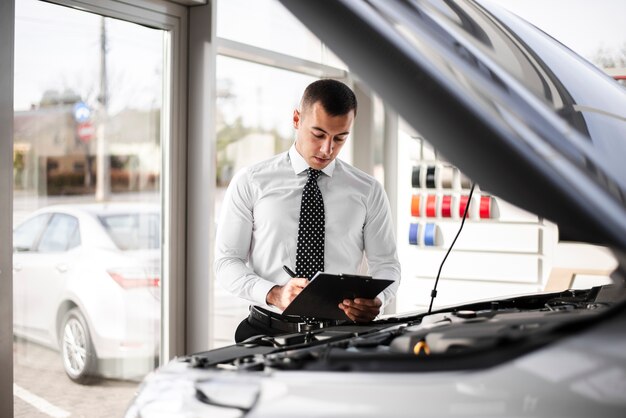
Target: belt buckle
(310,324)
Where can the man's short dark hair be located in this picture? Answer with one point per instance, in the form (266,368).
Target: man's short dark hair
(336,98)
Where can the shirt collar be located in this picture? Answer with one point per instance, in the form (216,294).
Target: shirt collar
(299,164)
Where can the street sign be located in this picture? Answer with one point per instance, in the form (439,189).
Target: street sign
(82,113)
(85,131)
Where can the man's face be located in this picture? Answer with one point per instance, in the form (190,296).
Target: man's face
(320,136)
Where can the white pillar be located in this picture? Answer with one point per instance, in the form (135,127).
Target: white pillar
(201,172)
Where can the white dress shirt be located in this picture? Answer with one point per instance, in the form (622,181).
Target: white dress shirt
(258,227)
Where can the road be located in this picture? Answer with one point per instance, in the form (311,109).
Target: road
(42,390)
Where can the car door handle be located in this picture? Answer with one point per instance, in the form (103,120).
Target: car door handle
(17,266)
(61,268)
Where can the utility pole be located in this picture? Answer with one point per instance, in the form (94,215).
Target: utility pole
(103,187)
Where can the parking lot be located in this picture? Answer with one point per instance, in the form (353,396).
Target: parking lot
(42,390)
(41,387)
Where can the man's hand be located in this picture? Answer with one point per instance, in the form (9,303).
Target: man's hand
(361,310)
(281,296)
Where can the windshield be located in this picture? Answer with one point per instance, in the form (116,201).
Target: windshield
(525,69)
(553,73)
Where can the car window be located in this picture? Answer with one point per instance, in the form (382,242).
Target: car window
(61,234)
(133,231)
(26,235)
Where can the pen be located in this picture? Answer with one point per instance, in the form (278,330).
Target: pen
(289,272)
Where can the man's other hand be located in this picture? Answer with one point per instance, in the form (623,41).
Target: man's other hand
(361,310)
(281,296)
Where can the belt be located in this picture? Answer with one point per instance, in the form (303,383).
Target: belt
(286,323)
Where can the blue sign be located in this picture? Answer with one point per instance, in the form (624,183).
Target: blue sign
(82,113)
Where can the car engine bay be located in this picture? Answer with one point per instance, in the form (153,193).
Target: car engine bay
(471,336)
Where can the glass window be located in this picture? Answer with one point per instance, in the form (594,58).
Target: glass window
(254,122)
(254,109)
(60,235)
(133,231)
(87,136)
(267,24)
(24,237)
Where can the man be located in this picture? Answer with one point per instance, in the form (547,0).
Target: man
(305,208)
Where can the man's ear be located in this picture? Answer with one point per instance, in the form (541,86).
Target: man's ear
(296,119)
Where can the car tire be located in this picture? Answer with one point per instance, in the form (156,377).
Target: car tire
(77,351)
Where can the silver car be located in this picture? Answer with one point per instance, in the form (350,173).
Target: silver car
(531,122)
(86,281)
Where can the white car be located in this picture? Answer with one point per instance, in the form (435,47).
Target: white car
(86,281)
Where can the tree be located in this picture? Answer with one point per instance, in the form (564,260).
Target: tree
(609,58)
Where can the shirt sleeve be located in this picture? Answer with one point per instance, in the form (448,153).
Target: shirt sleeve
(380,242)
(232,244)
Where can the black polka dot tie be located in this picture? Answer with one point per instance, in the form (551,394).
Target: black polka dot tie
(310,254)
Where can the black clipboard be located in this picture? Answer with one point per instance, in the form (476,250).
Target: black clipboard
(321,297)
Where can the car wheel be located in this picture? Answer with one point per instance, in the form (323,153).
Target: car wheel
(79,357)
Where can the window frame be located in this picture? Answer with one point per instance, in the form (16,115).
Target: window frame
(159,14)
(7,28)
(172,18)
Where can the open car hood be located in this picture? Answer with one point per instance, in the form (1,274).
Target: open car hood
(515,110)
